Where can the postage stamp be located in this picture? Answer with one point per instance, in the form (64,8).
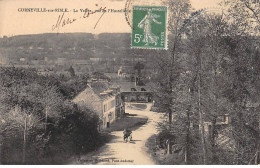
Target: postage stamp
(149,27)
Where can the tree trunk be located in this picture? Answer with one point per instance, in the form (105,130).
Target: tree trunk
(170,116)
(169,144)
(169,147)
(170,84)
(1,143)
(106,64)
(201,123)
(187,148)
(213,139)
(213,131)
(258,145)
(24,139)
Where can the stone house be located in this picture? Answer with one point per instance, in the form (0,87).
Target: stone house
(104,101)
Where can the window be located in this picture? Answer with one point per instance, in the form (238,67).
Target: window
(143,89)
(113,103)
(133,89)
(105,107)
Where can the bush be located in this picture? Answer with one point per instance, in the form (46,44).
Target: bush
(75,134)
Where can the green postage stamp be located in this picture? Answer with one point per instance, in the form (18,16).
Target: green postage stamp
(149,27)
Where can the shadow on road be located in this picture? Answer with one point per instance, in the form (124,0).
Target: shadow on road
(135,140)
(133,122)
(127,114)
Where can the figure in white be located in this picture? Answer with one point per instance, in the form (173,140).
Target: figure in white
(146,24)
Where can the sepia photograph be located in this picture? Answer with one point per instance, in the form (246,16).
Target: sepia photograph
(130,82)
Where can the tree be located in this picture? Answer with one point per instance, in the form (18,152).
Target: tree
(168,65)
(245,14)
(244,89)
(205,39)
(72,71)
(51,102)
(20,114)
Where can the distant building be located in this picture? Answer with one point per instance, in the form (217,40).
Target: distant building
(132,93)
(95,59)
(121,73)
(22,59)
(40,48)
(61,61)
(79,62)
(36,62)
(112,76)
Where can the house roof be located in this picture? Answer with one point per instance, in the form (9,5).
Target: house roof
(99,87)
(126,86)
(112,75)
(102,89)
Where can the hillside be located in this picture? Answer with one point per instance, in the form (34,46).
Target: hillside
(68,45)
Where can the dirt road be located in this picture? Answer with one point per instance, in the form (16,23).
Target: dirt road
(117,152)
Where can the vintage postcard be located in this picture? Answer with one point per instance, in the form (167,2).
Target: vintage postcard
(129,82)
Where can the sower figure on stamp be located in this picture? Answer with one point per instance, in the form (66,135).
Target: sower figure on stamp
(145,24)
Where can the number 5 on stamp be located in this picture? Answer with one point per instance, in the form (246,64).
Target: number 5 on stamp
(149,27)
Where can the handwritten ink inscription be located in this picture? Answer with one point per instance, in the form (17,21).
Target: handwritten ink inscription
(63,20)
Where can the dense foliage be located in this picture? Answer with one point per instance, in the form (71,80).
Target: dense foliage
(208,84)
(39,124)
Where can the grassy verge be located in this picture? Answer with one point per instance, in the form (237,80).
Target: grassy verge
(150,144)
(159,155)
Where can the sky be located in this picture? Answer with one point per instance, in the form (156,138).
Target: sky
(13,22)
